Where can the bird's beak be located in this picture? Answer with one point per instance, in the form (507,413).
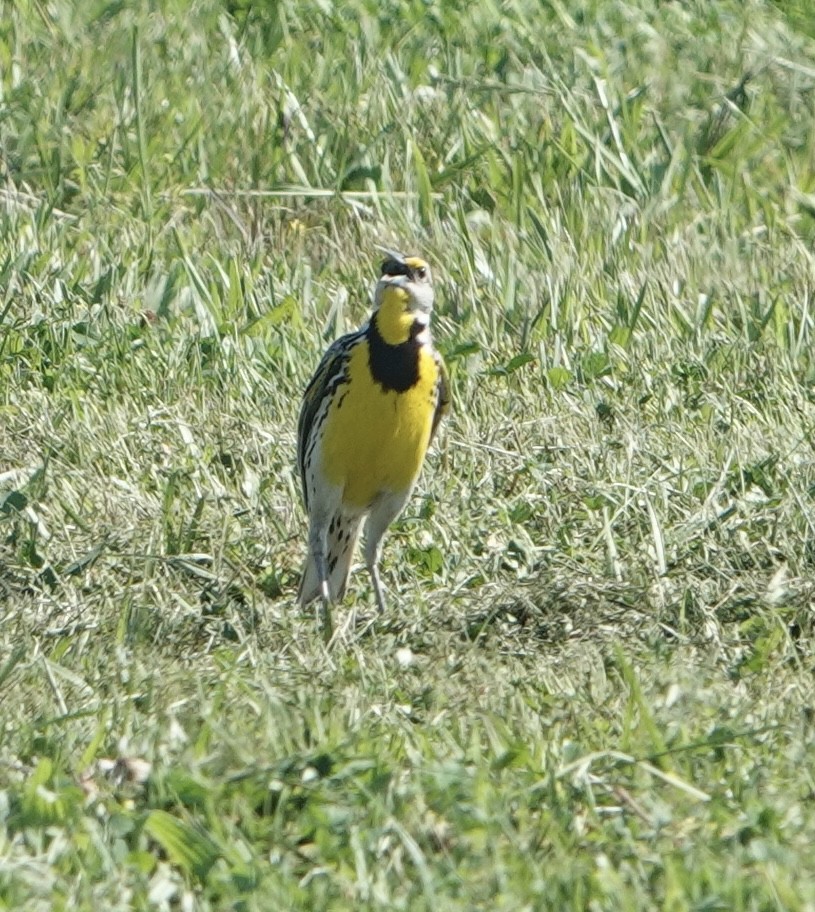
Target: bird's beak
(399,280)
(391,254)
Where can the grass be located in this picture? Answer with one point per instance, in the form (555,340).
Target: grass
(594,686)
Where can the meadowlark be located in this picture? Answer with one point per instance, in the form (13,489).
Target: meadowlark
(367,418)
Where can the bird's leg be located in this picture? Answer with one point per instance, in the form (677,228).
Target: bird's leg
(386,508)
(373,551)
(373,569)
(317,543)
(325,614)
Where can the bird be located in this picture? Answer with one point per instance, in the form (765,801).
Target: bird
(368,416)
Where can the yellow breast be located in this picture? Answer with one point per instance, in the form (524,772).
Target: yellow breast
(375,439)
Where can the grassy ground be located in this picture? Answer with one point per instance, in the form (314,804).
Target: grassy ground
(594,688)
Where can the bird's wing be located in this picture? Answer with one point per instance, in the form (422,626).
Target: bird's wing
(330,372)
(443,397)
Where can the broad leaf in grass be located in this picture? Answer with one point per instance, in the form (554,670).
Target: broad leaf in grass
(186,846)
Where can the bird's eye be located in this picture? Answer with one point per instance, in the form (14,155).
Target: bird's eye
(422,272)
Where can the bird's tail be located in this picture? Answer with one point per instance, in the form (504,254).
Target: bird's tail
(342,538)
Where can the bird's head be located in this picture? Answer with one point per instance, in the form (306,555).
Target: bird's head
(403,300)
